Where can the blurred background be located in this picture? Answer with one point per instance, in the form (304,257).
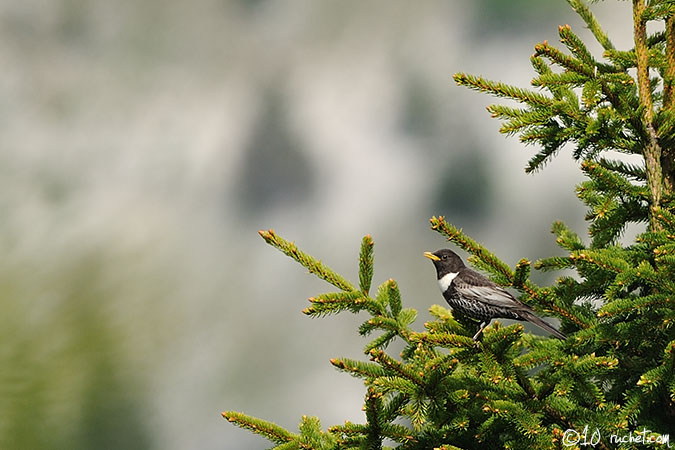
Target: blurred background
(144,143)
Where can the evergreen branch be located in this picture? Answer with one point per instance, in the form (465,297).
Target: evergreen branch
(380,342)
(503,111)
(576,45)
(392,327)
(656,59)
(491,373)
(593,364)
(630,410)
(541,158)
(456,235)
(572,64)
(653,378)
(289,446)
(368,327)
(522,273)
(271,431)
(611,182)
(628,59)
(396,384)
(444,339)
(441,328)
(533,359)
(658,11)
(416,410)
(528,424)
(404,318)
(366,264)
(621,283)
(502,90)
(545,298)
(448,447)
(591,94)
(385,323)
(336,302)
(312,265)
(579,49)
(646,272)
(312,437)
(669,73)
(560,401)
(665,127)
(585,13)
(447,321)
(565,237)
(441,365)
(350,435)
(460,396)
(540,66)
(358,368)
(392,408)
(373,405)
(487,266)
(635,171)
(398,433)
(554,263)
(652,150)
(402,370)
(589,390)
(349,429)
(618,89)
(498,337)
(664,262)
(532,118)
(621,59)
(635,304)
(669,354)
(571,79)
(394,296)
(665,217)
(601,259)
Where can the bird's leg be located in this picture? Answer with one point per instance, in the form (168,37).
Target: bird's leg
(480,330)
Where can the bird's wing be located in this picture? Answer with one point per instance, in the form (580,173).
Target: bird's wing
(475,285)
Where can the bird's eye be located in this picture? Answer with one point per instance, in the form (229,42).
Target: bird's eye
(445,256)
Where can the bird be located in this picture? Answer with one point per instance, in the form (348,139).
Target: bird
(477,297)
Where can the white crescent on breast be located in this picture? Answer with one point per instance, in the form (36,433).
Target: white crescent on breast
(446,279)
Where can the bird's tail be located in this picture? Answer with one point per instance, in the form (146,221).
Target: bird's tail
(530,317)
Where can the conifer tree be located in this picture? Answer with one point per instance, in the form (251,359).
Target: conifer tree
(612,382)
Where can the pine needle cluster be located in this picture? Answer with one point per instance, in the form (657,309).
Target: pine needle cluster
(613,380)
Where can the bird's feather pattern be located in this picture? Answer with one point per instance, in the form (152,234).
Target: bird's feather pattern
(476,296)
(472,284)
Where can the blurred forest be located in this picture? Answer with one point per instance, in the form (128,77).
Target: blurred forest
(143,144)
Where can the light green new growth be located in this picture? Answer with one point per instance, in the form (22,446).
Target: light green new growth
(366,264)
(314,266)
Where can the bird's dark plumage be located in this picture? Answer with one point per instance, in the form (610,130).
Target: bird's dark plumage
(475,296)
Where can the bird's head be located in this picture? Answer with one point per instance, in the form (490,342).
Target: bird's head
(446,261)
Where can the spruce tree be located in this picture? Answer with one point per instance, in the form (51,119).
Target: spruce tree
(611,383)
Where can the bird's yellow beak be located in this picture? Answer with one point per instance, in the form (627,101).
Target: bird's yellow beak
(431,256)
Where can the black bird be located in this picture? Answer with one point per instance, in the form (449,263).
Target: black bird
(475,296)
